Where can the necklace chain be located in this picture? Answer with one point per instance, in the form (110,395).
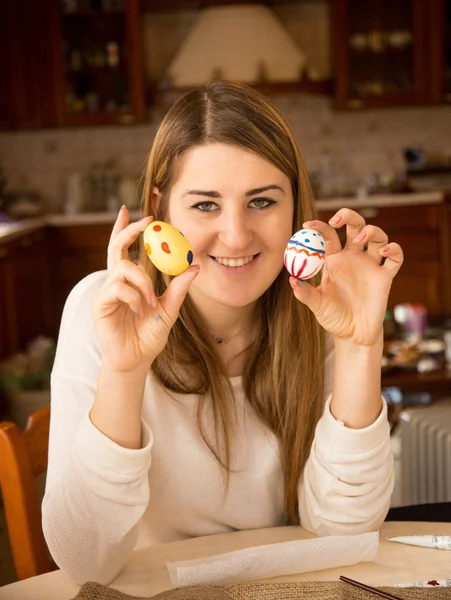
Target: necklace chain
(221,340)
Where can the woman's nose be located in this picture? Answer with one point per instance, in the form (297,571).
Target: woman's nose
(236,232)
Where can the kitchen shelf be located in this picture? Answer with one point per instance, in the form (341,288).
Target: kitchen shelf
(149,5)
(157,97)
(97,70)
(94,13)
(83,119)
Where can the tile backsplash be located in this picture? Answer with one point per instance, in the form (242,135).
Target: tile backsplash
(359,144)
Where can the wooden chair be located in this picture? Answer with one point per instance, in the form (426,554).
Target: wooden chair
(23,456)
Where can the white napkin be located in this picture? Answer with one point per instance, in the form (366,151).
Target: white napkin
(285,558)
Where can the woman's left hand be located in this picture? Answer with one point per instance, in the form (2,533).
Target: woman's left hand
(351,301)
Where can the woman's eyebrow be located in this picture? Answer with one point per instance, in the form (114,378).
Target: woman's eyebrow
(209,194)
(264,189)
(213,194)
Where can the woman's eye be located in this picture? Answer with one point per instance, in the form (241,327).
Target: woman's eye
(205,206)
(262,202)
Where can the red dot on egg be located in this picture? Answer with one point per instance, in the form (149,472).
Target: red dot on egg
(157,227)
(165,248)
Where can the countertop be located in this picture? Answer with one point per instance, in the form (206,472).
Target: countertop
(10,231)
(385,200)
(146,574)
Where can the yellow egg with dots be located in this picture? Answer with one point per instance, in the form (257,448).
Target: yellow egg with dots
(167,248)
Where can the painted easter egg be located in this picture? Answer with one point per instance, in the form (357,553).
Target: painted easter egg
(305,254)
(167,248)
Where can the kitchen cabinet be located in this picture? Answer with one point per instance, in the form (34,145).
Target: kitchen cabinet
(76,68)
(28,97)
(445,251)
(100,76)
(25,299)
(77,251)
(439,41)
(381,52)
(423,233)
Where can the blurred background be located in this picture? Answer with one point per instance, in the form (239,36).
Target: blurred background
(84,84)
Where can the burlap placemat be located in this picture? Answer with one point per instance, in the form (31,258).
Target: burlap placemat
(320,590)
(94,591)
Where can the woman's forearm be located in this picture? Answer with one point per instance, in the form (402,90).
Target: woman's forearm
(117,407)
(356,395)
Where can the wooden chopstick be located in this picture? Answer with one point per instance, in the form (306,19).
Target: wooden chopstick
(368,588)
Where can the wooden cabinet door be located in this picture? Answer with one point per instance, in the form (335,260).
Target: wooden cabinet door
(8,335)
(77,251)
(445,251)
(379,50)
(418,229)
(31,293)
(93,88)
(439,43)
(26,64)
(25,304)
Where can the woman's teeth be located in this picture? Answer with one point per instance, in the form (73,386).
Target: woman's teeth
(235,262)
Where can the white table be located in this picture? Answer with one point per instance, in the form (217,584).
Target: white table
(145,574)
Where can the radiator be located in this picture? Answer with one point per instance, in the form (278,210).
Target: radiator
(425,436)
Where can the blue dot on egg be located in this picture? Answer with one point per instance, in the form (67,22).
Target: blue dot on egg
(307,240)
(322,243)
(189,257)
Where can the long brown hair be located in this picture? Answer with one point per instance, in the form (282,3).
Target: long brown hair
(283,377)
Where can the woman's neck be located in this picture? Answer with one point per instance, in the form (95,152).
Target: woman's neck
(226,322)
(233,329)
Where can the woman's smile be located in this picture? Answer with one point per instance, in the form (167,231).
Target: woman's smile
(236,266)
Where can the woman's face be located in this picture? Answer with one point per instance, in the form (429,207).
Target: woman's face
(236,209)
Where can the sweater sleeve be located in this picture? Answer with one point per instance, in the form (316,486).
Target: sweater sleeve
(96,491)
(348,478)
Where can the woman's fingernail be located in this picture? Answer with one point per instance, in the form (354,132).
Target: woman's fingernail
(335,221)
(295,282)
(358,238)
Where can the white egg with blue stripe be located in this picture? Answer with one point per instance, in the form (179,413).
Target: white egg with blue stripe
(305,254)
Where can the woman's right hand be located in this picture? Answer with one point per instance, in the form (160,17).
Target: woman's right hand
(131,322)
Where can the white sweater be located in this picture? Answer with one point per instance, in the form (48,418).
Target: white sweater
(102,501)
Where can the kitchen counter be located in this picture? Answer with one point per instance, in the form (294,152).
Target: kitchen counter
(434,197)
(94,218)
(9,231)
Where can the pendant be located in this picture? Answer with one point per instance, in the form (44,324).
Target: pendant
(219,340)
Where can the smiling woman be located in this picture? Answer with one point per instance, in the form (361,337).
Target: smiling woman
(238,235)
(231,396)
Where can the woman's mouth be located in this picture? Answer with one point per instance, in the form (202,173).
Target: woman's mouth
(238,265)
(234,262)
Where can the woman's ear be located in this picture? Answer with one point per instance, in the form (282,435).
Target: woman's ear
(155,201)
